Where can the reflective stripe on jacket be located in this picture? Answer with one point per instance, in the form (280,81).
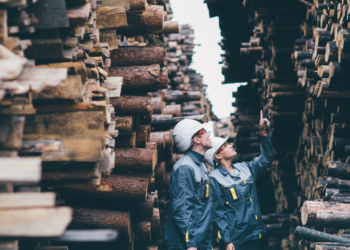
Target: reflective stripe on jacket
(238,193)
(189,219)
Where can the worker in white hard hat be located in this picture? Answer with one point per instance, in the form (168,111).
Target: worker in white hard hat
(236,183)
(189,219)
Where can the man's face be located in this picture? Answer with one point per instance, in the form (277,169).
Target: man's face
(203,138)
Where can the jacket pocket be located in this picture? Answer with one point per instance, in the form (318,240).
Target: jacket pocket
(233,194)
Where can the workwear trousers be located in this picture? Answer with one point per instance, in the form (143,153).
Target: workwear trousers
(249,245)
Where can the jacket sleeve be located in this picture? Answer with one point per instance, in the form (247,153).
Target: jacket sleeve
(183,193)
(220,212)
(259,164)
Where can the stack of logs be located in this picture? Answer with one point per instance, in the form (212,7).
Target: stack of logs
(90,92)
(297,73)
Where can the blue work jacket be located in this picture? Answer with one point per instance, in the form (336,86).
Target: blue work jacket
(191,205)
(239,195)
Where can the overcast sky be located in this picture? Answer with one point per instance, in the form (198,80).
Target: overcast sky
(207,56)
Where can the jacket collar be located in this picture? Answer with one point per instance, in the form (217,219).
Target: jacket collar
(194,158)
(225,172)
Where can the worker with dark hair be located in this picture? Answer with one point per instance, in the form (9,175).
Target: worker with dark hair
(236,183)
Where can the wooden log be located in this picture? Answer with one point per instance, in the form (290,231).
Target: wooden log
(180,96)
(337,183)
(164,183)
(332,246)
(174,110)
(142,231)
(132,104)
(317,236)
(27,200)
(132,56)
(157,105)
(162,120)
(114,187)
(111,17)
(137,5)
(160,170)
(155,222)
(89,218)
(143,133)
(310,209)
(146,21)
(135,208)
(135,159)
(335,219)
(11,130)
(70,174)
(34,222)
(151,77)
(126,140)
(169,27)
(124,123)
(337,195)
(70,123)
(339,169)
(159,138)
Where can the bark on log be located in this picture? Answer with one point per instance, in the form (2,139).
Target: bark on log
(332,246)
(163,120)
(115,187)
(157,105)
(310,208)
(137,5)
(135,159)
(180,96)
(169,27)
(136,208)
(337,183)
(150,77)
(132,56)
(124,123)
(159,138)
(334,219)
(317,236)
(132,105)
(142,231)
(160,170)
(146,21)
(89,218)
(143,133)
(338,195)
(70,174)
(155,222)
(127,140)
(339,169)
(174,110)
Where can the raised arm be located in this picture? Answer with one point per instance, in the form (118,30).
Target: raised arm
(183,190)
(259,164)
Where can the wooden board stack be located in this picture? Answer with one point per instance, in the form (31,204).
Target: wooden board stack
(89,94)
(296,68)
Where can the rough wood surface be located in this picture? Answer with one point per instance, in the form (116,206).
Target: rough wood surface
(135,159)
(332,246)
(70,174)
(11,128)
(317,236)
(27,200)
(339,169)
(151,77)
(89,218)
(125,140)
(20,170)
(157,105)
(165,120)
(132,56)
(142,231)
(137,5)
(310,209)
(146,21)
(132,105)
(111,17)
(35,222)
(337,183)
(333,219)
(158,138)
(174,110)
(143,133)
(338,195)
(115,187)
(180,96)
(124,123)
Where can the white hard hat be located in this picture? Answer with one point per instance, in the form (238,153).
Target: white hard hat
(183,132)
(217,142)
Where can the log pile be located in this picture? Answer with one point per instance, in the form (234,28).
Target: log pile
(90,92)
(295,68)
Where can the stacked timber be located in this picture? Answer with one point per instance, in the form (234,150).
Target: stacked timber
(78,117)
(296,70)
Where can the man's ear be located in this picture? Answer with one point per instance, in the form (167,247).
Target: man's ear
(196,140)
(217,156)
